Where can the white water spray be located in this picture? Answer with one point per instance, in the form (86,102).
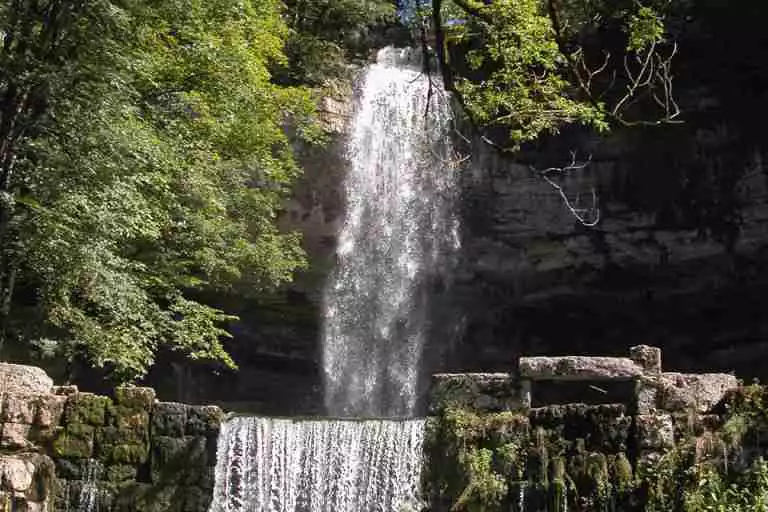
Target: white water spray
(282,465)
(400,225)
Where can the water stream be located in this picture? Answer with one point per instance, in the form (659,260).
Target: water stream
(400,225)
(284,465)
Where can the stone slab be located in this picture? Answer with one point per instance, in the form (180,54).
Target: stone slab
(579,368)
(698,392)
(24,380)
(478,391)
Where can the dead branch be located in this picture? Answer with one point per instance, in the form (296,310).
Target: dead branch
(590,216)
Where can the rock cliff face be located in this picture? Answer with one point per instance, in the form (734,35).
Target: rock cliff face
(677,259)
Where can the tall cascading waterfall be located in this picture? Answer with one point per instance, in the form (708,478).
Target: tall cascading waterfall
(400,226)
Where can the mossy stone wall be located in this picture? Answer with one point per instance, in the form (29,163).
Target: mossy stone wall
(686,443)
(132,453)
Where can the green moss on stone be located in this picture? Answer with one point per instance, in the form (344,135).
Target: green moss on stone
(86,408)
(76,441)
(135,398)
(129,454)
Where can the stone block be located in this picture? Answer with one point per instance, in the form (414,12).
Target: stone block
(579,368)
(655,431)
(129,454)
(647,357)
(76,441)
(24,380)
(135,398)
(19,408)
(178,460)
(169,419)
(43,478)
(16,436)
(204,420)
(647,395)
(50,410)
(491,392)
(86,408)
(133,419)
(680,392)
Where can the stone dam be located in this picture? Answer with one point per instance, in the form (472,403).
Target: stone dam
(554,432)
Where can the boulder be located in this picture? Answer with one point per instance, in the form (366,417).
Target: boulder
(24,380)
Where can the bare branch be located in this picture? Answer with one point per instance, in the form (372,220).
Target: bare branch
(590,216)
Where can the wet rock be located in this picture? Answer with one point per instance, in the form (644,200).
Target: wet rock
(579,368)
(24,380)
(76,441)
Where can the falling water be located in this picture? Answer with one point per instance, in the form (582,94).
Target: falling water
(282,465)
(399,227)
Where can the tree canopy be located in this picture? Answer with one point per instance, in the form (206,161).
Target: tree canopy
(522,68)
(144,156)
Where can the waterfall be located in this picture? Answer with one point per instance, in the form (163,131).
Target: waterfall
(283,465)
(399,232)
(399,227)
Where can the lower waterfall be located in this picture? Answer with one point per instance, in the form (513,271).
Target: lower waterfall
(287,465)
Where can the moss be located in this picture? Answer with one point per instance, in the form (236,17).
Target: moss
(74,442)
(621,470)
(121,445)
(129,454)
(121,473)
(86,408)
(135,398)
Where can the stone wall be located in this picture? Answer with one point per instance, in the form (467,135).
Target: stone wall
(62,449)
(492,444)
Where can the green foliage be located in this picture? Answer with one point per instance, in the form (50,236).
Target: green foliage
(524,68)
(327,34)
(157,172)
(644,29)
(527,91)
